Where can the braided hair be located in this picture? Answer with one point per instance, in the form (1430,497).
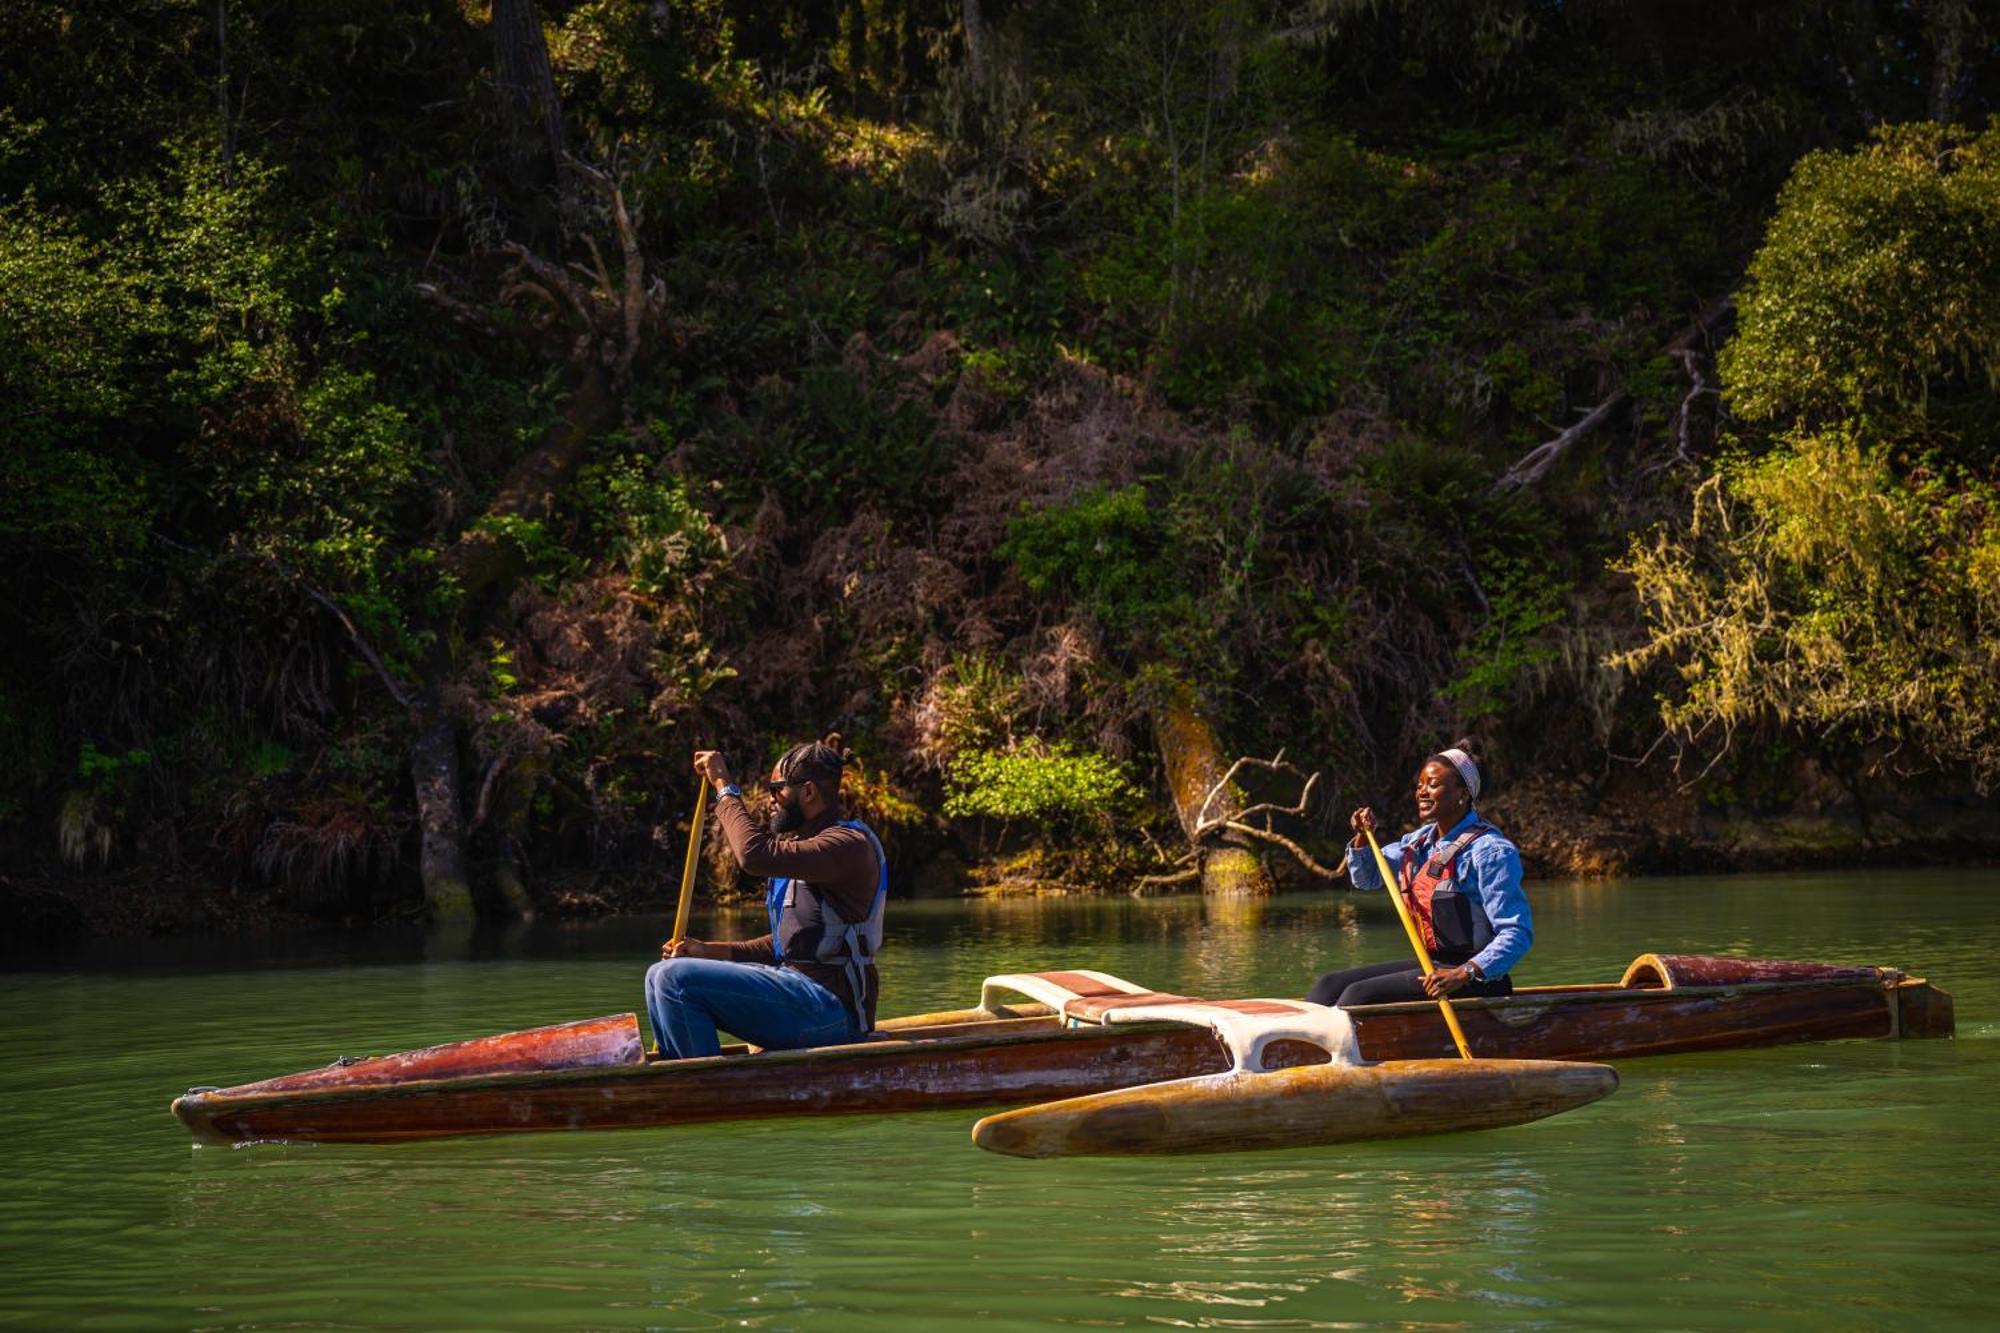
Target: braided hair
(817,761)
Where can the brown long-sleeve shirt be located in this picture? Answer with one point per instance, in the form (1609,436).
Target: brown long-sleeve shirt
(834,863)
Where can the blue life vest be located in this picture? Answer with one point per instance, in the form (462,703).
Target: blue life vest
(852,944)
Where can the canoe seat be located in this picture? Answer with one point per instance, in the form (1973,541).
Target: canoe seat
(1057,990)
(1246,1027)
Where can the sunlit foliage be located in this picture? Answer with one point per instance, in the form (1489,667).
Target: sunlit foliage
(1844,580)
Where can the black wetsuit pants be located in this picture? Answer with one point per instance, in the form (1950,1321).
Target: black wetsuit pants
(1388,983)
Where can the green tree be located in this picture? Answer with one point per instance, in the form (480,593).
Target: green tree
(1844,579)
(1877,291)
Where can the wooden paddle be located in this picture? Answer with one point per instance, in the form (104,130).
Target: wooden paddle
(1416,940)
(693,859)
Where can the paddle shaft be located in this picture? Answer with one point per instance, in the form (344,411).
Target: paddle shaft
(1390,883)
(693,859)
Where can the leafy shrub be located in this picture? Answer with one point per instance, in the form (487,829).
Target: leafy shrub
(1878,284)
(1843,582)
(828,443)
(969,706)
(1819,589)
(68,321)
(1109,549)
(1037,781)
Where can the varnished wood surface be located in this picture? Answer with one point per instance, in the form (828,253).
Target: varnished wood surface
(971,1058)
(1297,1108)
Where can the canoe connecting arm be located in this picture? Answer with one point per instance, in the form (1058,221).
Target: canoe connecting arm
(1245,1027)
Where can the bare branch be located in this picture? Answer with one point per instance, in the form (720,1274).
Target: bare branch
(1537,462)
(1689,348)
(460,311)
(1273,808)
(1237,821)
(483,807)
(1700,387)
(635,281)
(1280,840)
(552,277)
(603,274)
(335,609)
(1146,882)
(361,645)
(633,301)
(522,287)
(1275,764)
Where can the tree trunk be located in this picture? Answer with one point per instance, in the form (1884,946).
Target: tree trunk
(483,565)
(1947,23)
(527,88)
(440,812)
(222,89)
(1194,764)
(509,820)
(975,44)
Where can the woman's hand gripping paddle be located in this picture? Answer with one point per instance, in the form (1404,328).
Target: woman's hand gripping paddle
(693,859)
(1416,940)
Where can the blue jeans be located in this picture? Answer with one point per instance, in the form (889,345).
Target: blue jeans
(687,999)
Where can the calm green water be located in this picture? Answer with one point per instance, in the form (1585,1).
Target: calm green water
(1844,1185)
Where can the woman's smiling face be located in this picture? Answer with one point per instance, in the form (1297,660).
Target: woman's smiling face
(1441,795)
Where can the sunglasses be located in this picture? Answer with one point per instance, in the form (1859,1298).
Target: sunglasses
(776,786)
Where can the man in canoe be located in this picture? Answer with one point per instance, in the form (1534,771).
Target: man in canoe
(1462,881)
(811,981)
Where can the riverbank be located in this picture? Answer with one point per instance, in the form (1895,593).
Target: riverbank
(1565,831)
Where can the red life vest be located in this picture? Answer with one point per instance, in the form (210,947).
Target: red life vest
(1421,884)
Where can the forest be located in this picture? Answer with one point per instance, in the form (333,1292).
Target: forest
(1144,428)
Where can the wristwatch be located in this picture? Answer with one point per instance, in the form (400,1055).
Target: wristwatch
(1472,970)
(730,789)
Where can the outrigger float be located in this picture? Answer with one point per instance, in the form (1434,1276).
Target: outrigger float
(1071,1037)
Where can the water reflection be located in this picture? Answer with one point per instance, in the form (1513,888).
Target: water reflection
(1798,1186)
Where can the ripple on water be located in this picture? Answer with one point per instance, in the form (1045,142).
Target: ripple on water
(1839,1184)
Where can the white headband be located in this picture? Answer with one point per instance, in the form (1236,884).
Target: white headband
(1468,771)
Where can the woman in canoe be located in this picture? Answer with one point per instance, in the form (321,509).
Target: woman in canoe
(811,981)
(1462,881)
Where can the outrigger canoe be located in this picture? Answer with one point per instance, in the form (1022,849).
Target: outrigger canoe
(1053,1044)
(1265,1100)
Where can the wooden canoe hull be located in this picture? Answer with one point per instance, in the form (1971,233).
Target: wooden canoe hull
(592,1076)
(1306,1106)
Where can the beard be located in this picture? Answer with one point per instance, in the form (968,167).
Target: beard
(785,817)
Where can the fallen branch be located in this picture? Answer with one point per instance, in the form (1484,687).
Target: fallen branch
(1687,348)
(236,551)
(460,312)
(1237,822)
(1305,858)
(1536,463)
(1275,764)
(1145,882)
